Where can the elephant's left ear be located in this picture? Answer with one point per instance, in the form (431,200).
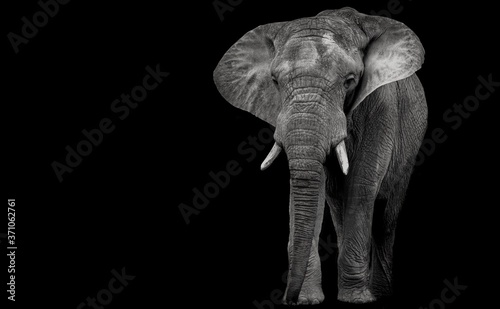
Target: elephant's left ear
(243,75)
(393,52)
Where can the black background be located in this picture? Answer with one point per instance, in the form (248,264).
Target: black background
(120,206)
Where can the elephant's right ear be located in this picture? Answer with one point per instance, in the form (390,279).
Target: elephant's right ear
(243,75)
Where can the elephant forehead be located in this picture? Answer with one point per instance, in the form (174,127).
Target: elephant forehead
(319,53)
(331,47)
(307,55)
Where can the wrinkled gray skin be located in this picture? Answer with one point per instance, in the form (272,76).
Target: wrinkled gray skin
(339,78)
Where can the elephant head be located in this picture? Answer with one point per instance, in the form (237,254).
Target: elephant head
(306,77)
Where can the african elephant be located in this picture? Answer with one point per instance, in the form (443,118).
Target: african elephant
(341,81)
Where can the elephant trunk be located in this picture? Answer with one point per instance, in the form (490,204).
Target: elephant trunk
(306,179)
(307,134)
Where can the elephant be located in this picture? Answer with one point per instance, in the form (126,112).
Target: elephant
(349,112)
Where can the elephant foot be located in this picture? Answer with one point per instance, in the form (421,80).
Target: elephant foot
(356,296)
(309,295)
(311,292)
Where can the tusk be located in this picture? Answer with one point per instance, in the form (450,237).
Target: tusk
(342,157)
(273,154)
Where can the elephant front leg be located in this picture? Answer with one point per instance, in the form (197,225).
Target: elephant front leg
(354,261)
(370,155)
(355,250)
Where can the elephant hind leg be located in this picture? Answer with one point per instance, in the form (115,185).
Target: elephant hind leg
(381,252)
(385,218)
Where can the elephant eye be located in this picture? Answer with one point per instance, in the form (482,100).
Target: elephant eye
(349,82)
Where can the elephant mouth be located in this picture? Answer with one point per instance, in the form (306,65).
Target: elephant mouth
(340,151)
